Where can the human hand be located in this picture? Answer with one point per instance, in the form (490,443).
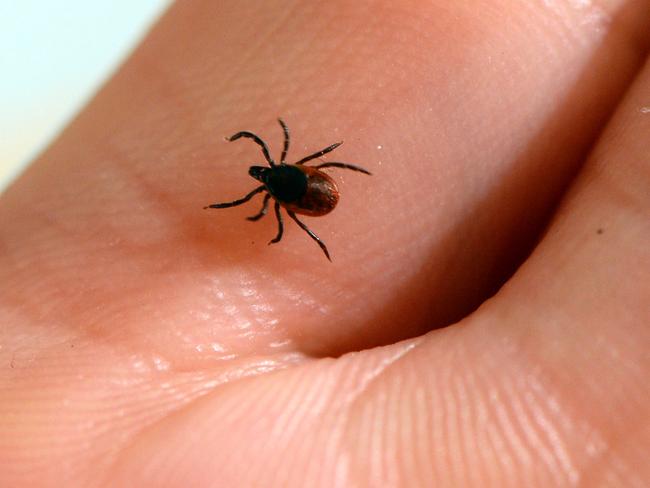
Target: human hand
(147,342)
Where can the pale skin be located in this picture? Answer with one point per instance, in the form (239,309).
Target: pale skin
(145,341)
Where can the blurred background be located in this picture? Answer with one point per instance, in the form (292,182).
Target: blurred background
(53,57)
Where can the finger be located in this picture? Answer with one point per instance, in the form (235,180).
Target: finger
(486,112)
(580,324)
(545,386)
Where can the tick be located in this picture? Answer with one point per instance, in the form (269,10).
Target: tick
(297,188)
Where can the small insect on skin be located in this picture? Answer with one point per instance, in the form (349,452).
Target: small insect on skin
(297,188)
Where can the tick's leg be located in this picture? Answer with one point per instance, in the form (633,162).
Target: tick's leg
(320,153)
(311,234)
(285,129)
(262,144)
(343,165)
(265,208)
(280,224)
(238,202)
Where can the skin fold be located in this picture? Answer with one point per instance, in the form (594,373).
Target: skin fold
(484,321)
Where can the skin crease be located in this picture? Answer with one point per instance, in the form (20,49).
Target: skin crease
(147,342)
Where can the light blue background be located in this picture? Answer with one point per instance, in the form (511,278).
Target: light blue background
(53,56)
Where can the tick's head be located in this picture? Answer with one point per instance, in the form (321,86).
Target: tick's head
(260,173)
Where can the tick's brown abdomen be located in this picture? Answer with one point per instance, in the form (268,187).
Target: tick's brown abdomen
(321,196)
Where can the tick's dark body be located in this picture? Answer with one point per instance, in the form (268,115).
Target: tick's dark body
(299,189)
